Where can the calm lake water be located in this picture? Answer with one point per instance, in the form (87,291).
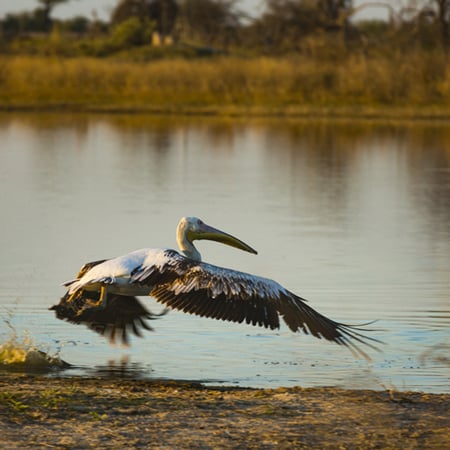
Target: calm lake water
(353,216)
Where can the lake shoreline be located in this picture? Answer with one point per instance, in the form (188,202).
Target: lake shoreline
(37,411)
(358,114)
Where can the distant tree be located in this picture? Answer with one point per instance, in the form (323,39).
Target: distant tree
(132,32)
(285,23)
(161,12)
(78,24)
(46,10)
(213,22)
(25,22)
(434,12)
(442,9)
(10,25)
(334,12)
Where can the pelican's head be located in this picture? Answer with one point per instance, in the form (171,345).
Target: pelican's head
(191,228)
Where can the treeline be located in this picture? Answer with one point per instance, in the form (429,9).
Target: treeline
(147,28)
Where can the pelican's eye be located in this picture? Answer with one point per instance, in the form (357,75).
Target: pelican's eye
(199,222)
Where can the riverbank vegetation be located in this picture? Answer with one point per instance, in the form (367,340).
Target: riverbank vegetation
(294,85)
(204,56)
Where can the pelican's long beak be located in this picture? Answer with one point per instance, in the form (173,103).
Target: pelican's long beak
(213,234)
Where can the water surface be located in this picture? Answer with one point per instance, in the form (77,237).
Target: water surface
(353,216)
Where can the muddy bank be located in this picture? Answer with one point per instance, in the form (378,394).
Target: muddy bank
(42,412)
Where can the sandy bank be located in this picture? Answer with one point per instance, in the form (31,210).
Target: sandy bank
(41,412)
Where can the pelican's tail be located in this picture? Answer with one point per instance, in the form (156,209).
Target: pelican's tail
(74,284)
(70,282)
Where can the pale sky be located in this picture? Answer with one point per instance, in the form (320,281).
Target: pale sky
(103,8)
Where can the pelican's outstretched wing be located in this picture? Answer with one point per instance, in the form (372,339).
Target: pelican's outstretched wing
(120,316)
(210,291)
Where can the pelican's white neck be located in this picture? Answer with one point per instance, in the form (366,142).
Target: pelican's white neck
(185,243)
(189,250)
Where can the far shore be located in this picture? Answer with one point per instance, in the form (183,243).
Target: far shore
(358,114)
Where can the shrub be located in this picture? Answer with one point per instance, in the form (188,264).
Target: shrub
(132,32)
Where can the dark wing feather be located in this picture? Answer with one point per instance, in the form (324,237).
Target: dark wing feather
(121,316)
(210,291)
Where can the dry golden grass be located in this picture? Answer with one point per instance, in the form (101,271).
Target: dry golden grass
(418,83)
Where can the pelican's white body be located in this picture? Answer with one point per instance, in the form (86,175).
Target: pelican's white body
(116,273)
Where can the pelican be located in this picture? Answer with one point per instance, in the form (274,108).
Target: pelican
(103,295)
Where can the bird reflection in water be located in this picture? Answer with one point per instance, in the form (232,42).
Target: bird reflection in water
(122,367)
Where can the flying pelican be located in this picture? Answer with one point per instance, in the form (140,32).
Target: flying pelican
(102,296)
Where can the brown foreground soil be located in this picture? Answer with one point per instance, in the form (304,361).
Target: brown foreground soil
(80,413)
